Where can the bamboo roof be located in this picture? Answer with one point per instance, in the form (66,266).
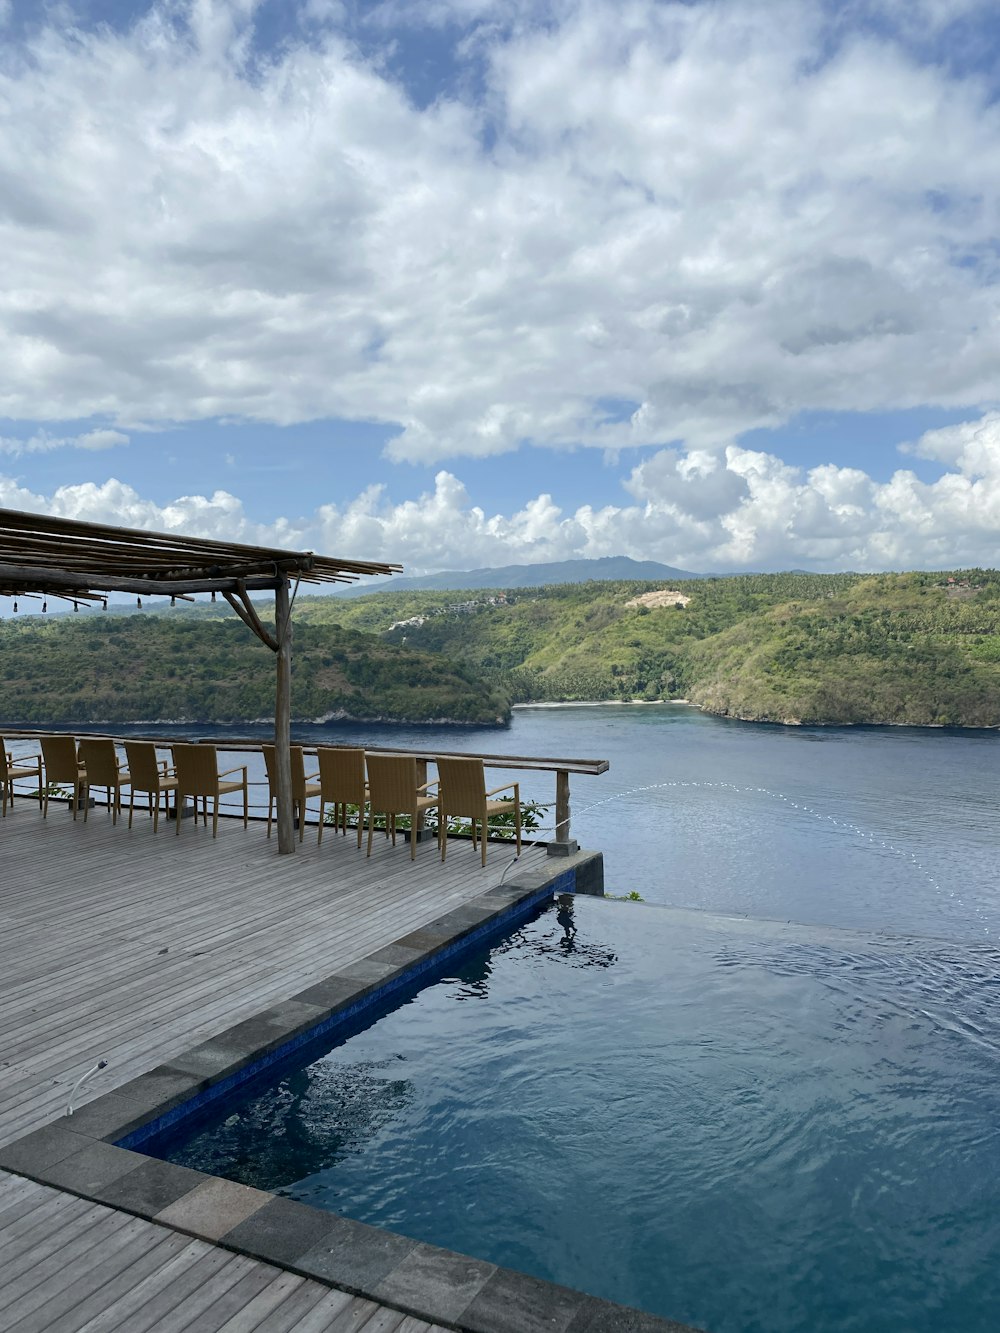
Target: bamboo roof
(80,562)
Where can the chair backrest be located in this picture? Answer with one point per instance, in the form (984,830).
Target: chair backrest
(342,775)
(100,761)
(463,787)
(61,763)
(392,782)
(143,768)
(197,769)
(298,767)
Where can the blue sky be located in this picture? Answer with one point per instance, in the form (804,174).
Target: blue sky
(471,282)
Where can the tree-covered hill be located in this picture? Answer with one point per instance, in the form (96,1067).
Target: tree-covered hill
(896,648)
(204,668)
(921,649)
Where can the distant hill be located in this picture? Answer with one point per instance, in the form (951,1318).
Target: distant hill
(609,568)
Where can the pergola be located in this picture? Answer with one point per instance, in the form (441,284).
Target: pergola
(82,562)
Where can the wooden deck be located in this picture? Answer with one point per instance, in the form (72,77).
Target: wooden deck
(130,947)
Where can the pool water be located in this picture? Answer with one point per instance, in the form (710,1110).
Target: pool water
(742,1125)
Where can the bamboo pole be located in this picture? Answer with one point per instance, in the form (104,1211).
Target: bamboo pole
(283,719)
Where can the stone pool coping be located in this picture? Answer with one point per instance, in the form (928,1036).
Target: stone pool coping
(93,1153)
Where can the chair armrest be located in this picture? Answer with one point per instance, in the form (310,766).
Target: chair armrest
(508,786)
(311,777)
(240,768)
(424,786)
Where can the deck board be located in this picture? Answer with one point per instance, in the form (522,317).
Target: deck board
(132,947)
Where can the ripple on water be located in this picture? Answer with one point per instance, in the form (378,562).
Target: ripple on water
(743,1125)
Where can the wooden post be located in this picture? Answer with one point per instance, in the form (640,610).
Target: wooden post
(562,806)
(563,844)
(283,719)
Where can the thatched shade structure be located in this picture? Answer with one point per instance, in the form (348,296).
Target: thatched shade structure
(81,562)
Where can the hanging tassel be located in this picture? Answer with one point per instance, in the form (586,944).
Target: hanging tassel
(45,606)
(15,608)
(138,602)
(173,601)
(213,594)
(105,604)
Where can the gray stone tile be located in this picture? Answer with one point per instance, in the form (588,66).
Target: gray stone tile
(38,1151)
(91,1169)
(213,1208)
(212,1060)
(281,1232)
(424,941)
(434,1284)
(367,973)
(162,1088)
(515,1303)
(395,955)
(355,1256)
(108,1117)
(150,1188)
(462,919)
(597,1316)
(333,993)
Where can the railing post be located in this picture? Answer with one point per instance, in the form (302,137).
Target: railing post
(563,844)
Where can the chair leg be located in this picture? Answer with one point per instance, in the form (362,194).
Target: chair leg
(517,824)
(215,815)
(246,804)
(483,832)
(361,816)
(413,838)
(322,816)
(371,830)
(156,809)
(86,801)
(131,806)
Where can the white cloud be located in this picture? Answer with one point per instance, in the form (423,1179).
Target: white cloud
(42,443)
(707,210)
(745,510)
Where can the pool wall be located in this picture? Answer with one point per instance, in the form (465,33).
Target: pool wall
(96,1152)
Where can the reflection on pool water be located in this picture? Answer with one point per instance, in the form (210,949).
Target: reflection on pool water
(742,1125)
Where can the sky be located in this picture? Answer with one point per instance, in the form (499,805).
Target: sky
(459,283)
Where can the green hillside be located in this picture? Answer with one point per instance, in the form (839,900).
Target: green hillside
(894,648)
(920,649)
(203,668)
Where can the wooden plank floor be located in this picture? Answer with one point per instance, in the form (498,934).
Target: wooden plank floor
(69,1266)
(130,947)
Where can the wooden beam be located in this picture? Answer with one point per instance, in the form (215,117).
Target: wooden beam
(39,577)
(283,721)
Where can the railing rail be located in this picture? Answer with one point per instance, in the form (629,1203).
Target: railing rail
(562,844)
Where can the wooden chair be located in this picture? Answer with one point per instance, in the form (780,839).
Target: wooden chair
(393,790)
(198,775)
(342,783)
(303,786)
(62,764)
(11,770)
(150,775)
(100,761)
(462,794)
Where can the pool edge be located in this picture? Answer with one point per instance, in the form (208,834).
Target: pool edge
(96,1153)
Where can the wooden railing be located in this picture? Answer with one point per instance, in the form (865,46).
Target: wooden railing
(561,844)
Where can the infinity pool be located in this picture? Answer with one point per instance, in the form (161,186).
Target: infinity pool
(741,1125)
